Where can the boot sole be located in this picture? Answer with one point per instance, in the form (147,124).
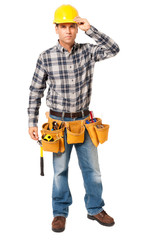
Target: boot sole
(58,230)
(104,224)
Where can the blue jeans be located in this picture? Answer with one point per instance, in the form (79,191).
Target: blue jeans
(88,162)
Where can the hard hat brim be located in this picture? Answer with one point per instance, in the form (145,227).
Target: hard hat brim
(66,21)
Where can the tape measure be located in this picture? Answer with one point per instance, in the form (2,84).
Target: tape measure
(48,138)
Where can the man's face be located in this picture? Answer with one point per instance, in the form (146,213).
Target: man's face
(67,32)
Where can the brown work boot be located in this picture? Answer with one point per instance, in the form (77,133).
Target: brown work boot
(58,224)
(103,218)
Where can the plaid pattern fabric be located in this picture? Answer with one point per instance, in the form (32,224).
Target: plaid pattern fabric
(68,75)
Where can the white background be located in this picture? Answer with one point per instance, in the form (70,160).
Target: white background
(122,97)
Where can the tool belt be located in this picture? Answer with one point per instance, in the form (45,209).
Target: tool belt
(75,133)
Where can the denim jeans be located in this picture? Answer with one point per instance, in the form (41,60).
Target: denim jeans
(88,162)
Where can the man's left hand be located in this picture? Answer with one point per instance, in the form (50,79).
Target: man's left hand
(83,23)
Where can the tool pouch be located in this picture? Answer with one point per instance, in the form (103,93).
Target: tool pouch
(60,132)
(92,132)
(75,131)
(102,133)
(58,135)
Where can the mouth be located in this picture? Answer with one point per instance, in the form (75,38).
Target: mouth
(68,36)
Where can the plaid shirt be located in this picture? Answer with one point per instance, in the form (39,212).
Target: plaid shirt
(68,75)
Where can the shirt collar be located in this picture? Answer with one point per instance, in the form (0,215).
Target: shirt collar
(62,49)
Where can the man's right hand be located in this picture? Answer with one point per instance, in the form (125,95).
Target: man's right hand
(83,23)
(33,132)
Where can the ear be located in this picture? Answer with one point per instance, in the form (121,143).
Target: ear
(56,29)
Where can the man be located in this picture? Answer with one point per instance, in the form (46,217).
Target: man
(68,70)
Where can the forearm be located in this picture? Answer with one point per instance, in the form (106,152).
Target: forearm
(102,39)
(37,87)
(106,47)
(33,109)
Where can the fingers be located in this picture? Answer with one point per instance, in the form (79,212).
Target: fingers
(33,132)
(83,23)
(79,20)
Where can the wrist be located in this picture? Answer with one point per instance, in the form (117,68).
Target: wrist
(87,28)
(90,31)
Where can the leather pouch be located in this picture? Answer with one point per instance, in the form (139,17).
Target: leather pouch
(102,133)
(75,131)
(57,145)
(92,131)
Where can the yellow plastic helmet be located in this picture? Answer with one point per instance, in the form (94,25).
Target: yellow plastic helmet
(65,14)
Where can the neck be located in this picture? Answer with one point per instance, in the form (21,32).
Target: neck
(66,46)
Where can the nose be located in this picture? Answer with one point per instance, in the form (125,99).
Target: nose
(68,30)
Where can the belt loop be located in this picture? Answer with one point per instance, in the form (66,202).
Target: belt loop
(82,113)
(63,113)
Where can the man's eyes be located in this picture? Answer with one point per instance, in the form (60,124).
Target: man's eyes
(72,26)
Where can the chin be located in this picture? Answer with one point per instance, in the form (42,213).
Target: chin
(69,41)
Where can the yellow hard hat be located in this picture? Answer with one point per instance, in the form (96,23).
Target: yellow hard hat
(65,14)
